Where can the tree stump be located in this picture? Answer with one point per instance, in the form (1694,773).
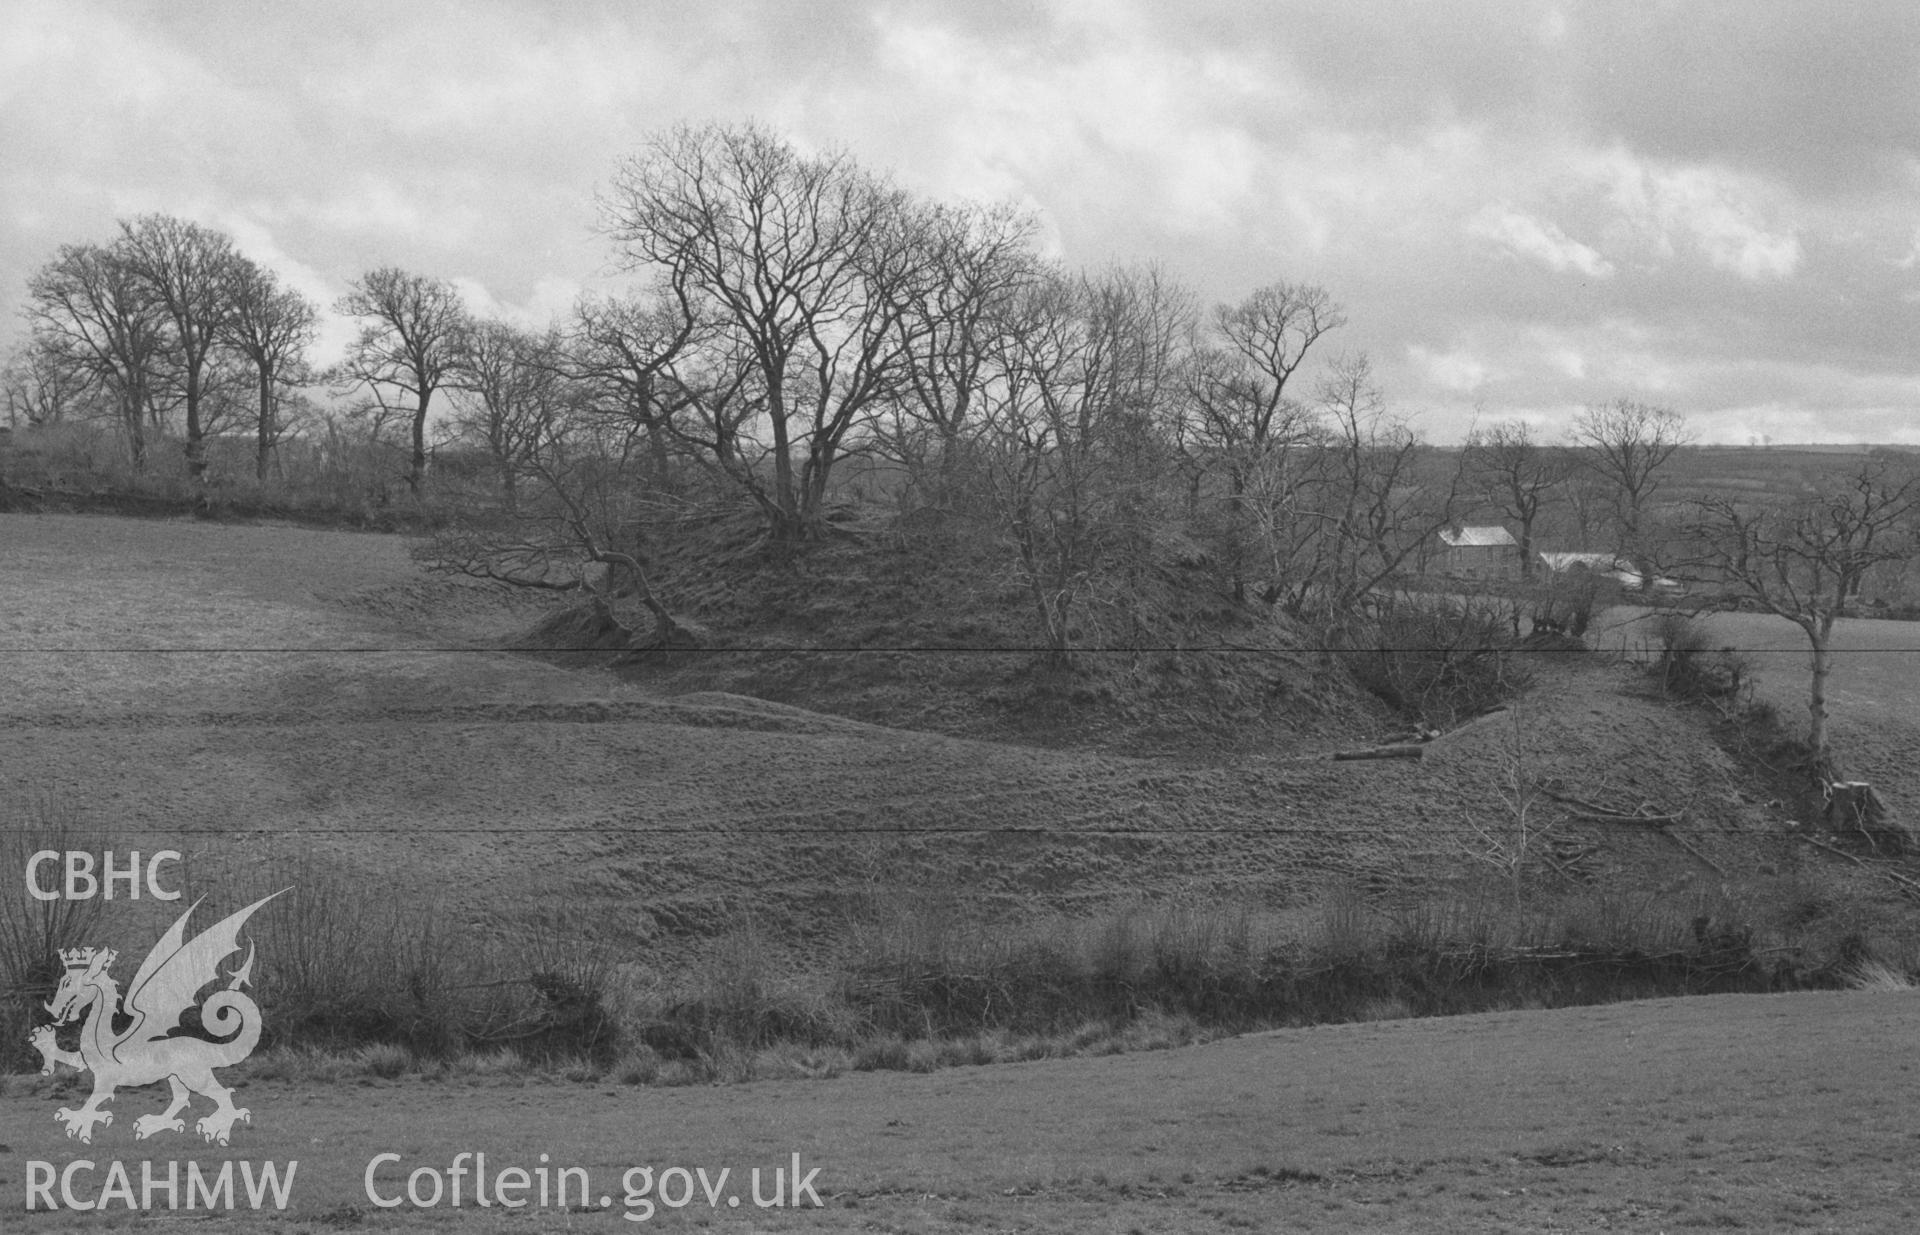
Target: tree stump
(1853,806)
(1846,802)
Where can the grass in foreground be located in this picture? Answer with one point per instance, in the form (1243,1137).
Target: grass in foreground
(1678,1114)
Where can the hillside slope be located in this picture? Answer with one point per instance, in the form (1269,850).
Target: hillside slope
(516,793)
(929,629)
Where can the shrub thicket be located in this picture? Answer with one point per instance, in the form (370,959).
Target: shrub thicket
(1436,659)
(1689,666)
(34,932)
(342,966)
(353,980)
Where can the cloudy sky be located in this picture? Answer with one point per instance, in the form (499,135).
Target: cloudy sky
(1524,206)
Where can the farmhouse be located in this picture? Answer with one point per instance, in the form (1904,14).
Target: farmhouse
(1478,553)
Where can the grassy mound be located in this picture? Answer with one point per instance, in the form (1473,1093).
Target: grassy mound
(925,628)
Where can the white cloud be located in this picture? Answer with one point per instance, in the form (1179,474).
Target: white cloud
(552,298)
(1122,124)
(1457,370)
(88,53)
(377,205)
(481,302)
(256,240)
(1568,361)
(548,300)
(1392,158)
(1542,241)
(1641,373)
(494,82)
(1736,221)
(1553,27)
(1911,257)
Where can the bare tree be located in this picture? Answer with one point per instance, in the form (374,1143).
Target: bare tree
(1628,444)
(1587,500)
(1516,837)
(92,314)
(578,423)
(1518,475)
(41,387)
(189,269)
(1378,500)
(576,531)
(808,261)
(981,260)
(1255,347)
(510,391)
(1242,420)
(272,326)
(1285,536)
(1076,452)
(1804,560)
(623,351)
(408,344)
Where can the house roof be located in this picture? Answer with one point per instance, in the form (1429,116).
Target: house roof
(1477,537)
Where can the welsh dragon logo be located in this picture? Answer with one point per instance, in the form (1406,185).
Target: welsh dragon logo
(153,1044)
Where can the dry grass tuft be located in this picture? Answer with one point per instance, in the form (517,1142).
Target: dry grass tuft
(1877,975)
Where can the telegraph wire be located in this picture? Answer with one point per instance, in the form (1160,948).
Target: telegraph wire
(86,832)
(887,650)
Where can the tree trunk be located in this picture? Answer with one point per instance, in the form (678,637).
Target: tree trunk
(196,449)
(667,632)
(945,483)
(134,414)
(1236,524)
(265,440)
(417,469)
(788,523)
(657,456)
(813,486)
(1817,692)
(654,426)
(196,444)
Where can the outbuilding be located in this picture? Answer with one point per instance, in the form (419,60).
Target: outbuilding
(1478,553)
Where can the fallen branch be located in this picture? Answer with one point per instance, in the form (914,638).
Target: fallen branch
(1906,885)
(1817,843)
(1715,866)
(1563,867)
(1601,813)
(1382,752)
(1564,861)
(1652,821)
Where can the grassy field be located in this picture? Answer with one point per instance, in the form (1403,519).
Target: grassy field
(1775,1113)
(1874,696)
(265,686)
(241,691)
(247,692)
